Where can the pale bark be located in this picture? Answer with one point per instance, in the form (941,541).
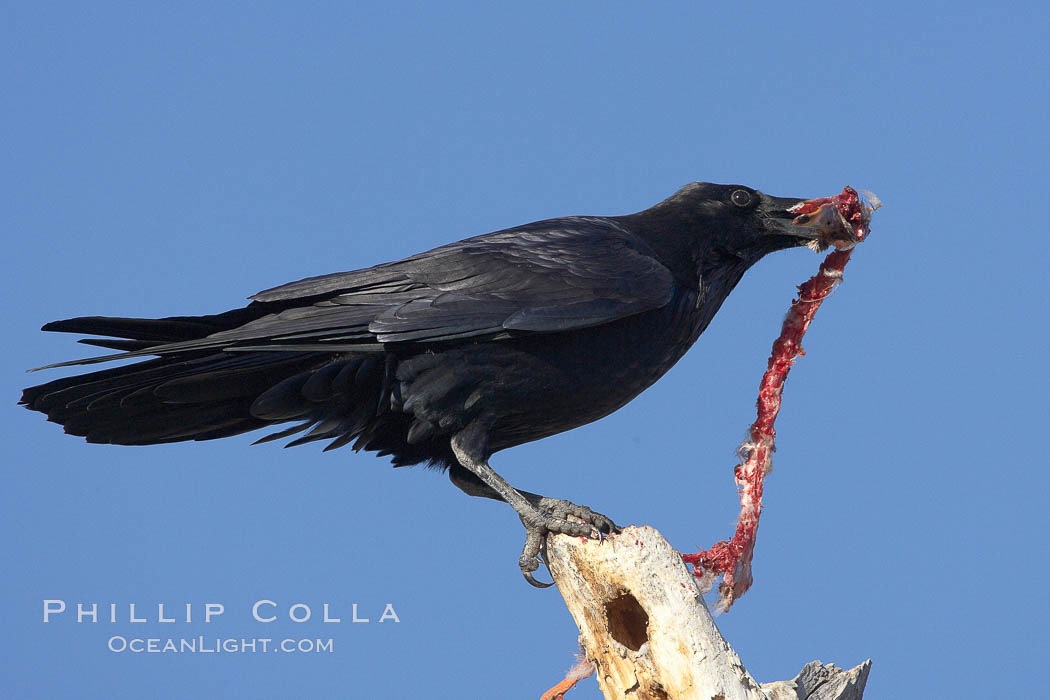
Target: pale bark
(644,624)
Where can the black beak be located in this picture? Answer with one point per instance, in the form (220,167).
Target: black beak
(782,221)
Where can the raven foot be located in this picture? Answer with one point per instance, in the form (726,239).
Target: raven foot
(557,516)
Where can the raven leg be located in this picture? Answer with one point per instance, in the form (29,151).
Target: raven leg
(539,515)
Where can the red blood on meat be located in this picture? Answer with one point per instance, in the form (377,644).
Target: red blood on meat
(732,558)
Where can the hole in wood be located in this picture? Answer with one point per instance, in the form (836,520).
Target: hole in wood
(627,621)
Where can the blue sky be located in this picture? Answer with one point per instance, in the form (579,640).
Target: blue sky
(173,160)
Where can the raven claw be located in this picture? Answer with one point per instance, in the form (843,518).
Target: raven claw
(552,517)
(533,582)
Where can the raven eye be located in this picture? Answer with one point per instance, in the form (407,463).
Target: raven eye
(741,198)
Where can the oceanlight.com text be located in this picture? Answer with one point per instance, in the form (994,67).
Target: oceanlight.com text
(218,645)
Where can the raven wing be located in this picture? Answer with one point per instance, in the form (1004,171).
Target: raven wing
(546,277)
(550,276)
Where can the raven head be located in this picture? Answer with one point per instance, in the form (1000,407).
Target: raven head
(840,221)
(740,221)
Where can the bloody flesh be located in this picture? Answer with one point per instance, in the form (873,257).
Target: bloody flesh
(732,558)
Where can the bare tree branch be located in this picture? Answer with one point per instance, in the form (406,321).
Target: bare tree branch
(645,626)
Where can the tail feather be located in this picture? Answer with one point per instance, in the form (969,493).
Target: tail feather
(157,330)
(194,390)
(161,424)
(124,345)
(139,337)
(195,395)
(167,400)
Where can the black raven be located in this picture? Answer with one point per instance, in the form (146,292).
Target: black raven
(444,357)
